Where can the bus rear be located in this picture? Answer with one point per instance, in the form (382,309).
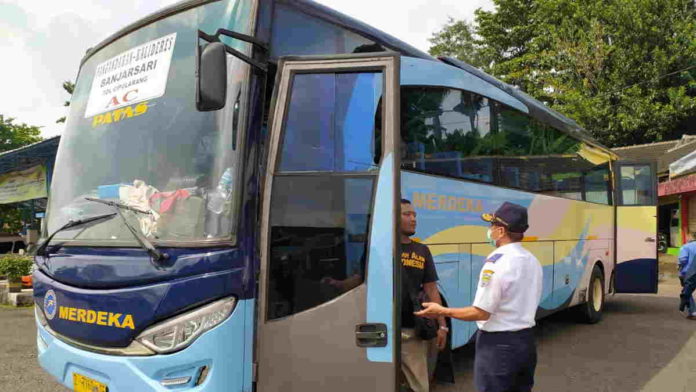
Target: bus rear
(147,283)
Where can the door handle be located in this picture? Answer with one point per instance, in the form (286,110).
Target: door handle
(649,239)
(371,335)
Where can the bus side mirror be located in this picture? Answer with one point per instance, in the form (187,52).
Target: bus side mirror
(212,78)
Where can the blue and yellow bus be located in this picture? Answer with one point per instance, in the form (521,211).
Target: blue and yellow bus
(225,197)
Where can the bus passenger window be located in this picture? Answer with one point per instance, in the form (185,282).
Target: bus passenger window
(597,189)
(464,135)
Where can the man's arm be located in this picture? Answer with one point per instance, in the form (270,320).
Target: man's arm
(683,260)
(430,288)
(469,313)
(434,295)
(347,284)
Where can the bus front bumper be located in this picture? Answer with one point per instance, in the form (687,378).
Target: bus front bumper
(225,352)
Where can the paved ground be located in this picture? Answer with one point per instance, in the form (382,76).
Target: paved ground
(19,370)
(642,344)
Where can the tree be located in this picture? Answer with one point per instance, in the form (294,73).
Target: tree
(11,218)
(14,135)
(623,69)
(69,87)
(457,40)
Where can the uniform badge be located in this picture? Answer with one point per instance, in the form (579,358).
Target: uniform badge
(486,277)
(494,258)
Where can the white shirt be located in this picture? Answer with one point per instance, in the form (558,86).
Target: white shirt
(509,289)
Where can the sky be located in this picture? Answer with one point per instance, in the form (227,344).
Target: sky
(43,41)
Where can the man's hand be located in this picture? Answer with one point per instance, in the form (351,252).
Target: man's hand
(431,310)
(441,339)
(331,282)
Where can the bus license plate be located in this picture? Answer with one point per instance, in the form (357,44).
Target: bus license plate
(85,384)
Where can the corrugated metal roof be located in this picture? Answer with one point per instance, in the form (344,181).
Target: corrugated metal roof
(683,166)
(662,153)
(29,155)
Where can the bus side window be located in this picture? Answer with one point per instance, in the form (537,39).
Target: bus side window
(461,134)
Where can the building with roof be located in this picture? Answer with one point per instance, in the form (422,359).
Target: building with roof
(676,172)
(25,178)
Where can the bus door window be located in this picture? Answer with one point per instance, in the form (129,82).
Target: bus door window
(322,191)
(637,185)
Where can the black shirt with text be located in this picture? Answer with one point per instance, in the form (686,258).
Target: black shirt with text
(417,268)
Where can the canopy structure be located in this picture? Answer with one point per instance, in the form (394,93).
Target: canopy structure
(683,166)
(25,177)
(31,155)
(25,172)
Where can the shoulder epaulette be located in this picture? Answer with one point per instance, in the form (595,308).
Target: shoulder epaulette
(494,258)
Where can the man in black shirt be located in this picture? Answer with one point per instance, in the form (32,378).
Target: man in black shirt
(417,272)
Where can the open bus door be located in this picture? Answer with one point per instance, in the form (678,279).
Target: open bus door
(636,228)
(328,303)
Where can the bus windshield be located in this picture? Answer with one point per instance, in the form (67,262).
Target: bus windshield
(134,137)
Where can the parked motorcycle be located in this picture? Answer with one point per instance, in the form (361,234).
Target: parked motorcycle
(662,243)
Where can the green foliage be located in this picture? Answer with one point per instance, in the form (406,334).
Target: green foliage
(69,87)
(10,219)
(457,40)
(15,266)
(624,69)
(14,135)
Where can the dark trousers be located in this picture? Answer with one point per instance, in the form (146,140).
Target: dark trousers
(505,361)
(686,296)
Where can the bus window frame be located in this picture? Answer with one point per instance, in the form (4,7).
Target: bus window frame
(618,191)
(272,160)
(273,150)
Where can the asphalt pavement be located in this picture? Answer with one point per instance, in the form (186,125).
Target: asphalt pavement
(642,344)
(19,369)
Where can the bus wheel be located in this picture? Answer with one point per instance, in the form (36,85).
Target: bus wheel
(591,311)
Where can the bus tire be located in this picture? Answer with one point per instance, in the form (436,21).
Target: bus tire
(591,311)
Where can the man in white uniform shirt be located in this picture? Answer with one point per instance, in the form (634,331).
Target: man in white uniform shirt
(507,297)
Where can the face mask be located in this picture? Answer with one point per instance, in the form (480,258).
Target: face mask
(490,238)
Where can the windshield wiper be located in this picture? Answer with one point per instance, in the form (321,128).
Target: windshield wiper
(144,242)
(41,250)
(118,204)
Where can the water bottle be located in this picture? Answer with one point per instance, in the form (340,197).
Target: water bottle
(217,198)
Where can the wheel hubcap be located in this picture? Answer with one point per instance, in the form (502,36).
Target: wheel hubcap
(597,294)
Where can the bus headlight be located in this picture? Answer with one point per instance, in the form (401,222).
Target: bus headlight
(179,332)
(38,312)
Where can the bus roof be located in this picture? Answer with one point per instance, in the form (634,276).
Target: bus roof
(330,15)
(536,108)
(153,17)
